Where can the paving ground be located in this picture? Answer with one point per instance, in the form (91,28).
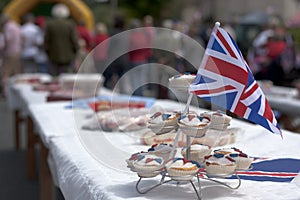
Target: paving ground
(6,136)
(13,182)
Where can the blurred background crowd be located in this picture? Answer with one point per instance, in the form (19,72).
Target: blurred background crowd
(50,37)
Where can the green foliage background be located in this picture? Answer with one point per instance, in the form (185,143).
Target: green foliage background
(102,10)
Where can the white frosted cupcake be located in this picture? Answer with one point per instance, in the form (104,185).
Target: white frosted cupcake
(194,125)
(218,120)
(181,81)
(163,122)
(182,169)
(133,158)
(162,150)
(220,164)
(148,165)
(243,161)
(225,151)
(197,152)
(167,119)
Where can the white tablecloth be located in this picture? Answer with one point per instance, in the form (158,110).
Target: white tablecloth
(284,99)
(14,88)
(27,96)
(20,95)
(82,177)
(91,164)
(54,120)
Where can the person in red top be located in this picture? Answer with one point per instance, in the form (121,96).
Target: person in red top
(138,55)
(150,32)
(84,34)
(100,52)
(275,47)
(138,40)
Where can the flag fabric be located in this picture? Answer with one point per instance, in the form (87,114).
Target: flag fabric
(267,169)
(275,170)
(225,79)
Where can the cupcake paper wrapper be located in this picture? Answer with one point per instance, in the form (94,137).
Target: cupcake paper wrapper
(243,163)
(197,156)
(215,119)
(193,131)
(147,171)
(181,174)
(220,169)
(147,174)
(221,126)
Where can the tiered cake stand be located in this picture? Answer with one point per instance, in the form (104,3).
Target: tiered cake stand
(166,178)
(196,187)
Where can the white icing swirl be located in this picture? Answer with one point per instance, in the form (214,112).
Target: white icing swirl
(154,160)
(181,164)
(220,161)
(198,147)
(194,121)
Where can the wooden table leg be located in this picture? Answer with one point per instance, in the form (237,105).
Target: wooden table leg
(30,154)
(46,183)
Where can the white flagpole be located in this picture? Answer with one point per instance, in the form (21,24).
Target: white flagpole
(217,25)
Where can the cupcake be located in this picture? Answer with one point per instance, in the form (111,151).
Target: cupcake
(163,122)
(162,150)
(218,120)
(194,125)
(225,151)
(219,164)
(133,158)
(182,169)
(197,152)
(243,161)
(181,81)
(148,165)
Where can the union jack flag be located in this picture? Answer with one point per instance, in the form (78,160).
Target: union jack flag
(224,79)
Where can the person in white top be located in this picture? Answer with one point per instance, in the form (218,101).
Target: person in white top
(41,57)
(30,32)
